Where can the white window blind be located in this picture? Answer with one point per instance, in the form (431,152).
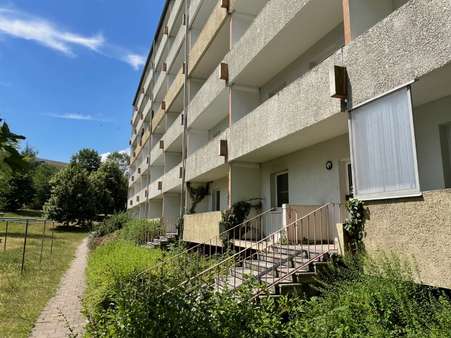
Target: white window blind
(383,148)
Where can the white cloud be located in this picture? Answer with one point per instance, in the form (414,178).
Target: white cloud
(104,156)
(20,25)
(135,60)
(76,116)
(23,26)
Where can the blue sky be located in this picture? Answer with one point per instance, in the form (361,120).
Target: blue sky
(69,70)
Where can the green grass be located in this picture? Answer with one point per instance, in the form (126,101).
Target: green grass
(114,261)
(22,213)
(22,298)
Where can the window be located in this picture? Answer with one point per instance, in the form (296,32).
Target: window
(383,147)
(281,189)
(216,200)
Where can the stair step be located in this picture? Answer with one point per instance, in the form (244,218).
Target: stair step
(260,266)
(243,272)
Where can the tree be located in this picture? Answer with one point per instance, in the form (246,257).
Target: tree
(72,197)
(10,158)
(121,159)
(88,159)
(110,186)
(41,185)
(16,190)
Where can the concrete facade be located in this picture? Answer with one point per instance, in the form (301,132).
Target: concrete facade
(235,93)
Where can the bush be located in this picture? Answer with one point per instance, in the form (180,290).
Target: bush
(141,231)
(108,265)
(383,302)
(111,224)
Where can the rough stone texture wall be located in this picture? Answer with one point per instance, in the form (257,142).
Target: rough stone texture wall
(261,32)
(418,228)
(406,45)
(206,158)
(205,96)
(206,36)
(301,104)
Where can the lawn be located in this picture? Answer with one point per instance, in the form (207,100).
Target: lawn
(22,213)
(22,297)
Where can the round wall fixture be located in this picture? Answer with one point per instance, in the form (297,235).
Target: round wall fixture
(329,165)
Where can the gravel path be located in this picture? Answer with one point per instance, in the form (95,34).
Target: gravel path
(62,316)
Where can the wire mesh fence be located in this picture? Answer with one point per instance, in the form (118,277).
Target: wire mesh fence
(25,241)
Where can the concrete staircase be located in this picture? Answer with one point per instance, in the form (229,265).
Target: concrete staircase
(281,269)
(162,241)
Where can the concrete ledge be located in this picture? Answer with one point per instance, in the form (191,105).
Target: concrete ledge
(206,158)
(206,36)
(176,47)
(418,228)
(176,7)
(261,32)
(200,228)
(406,45)
(303,103)
(174,131)
(175,88)
(139,148)
(205,96)
(172,180)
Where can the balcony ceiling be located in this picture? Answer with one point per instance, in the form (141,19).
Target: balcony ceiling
(315,20)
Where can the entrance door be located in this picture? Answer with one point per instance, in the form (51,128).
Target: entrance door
(282,189)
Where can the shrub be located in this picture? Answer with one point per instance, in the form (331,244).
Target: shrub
(382,302)
(111,224)
(111,263)
(141,231)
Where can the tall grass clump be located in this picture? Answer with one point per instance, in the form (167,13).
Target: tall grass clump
(141,231)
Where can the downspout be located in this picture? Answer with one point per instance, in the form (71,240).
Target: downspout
(183,196)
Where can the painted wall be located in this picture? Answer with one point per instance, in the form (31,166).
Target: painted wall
(309,181)
(246,181)
(427,120)
(171,211)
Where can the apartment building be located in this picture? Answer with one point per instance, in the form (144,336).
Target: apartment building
(300,103)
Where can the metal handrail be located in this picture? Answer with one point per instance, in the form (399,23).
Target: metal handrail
(253,245)
(290,273)
(209,242)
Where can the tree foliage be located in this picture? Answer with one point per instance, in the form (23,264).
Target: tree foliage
(72,197)
(88,159)
(16,190)
(41,185)
(121,159)
(110,186)
(10,158)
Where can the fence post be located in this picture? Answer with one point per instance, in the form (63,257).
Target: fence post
(51,244)
(42,242)
(6,235)
(24,246)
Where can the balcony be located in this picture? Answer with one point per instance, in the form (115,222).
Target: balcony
(212,42)
(210,105)
(206,164)
(171,180)
(176,12)
(173,136)
(200,228)
(156,156)
(300,115)
(299,26)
